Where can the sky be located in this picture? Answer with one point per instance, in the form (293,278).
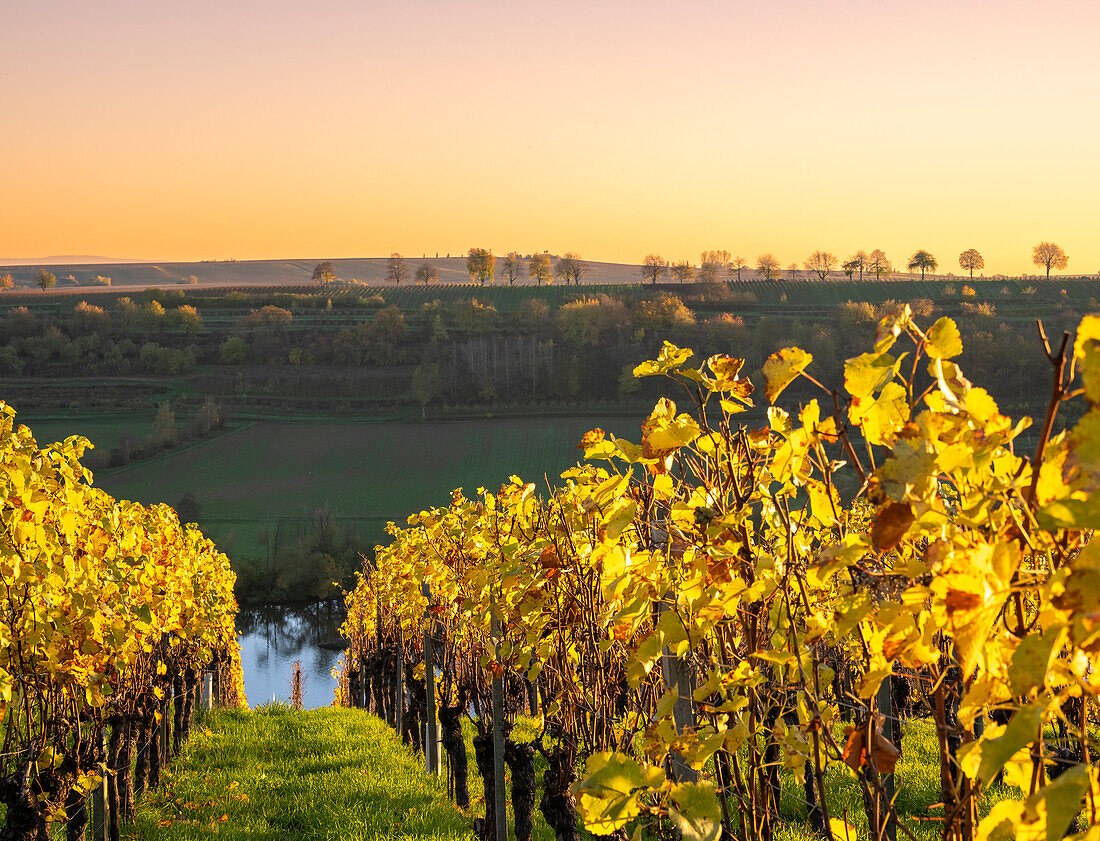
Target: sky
(255,129)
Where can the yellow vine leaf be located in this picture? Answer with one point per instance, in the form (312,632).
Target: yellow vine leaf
(944,341)
(1044,816)
(982,760)
(608,793)
(668,360)
(781,369)
(1031,661)
(1086,347)
(882,418)
(695,811)
(866,374)
(664,431)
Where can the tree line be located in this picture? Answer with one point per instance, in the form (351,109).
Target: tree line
(721,265)
(715,265)
(481,265)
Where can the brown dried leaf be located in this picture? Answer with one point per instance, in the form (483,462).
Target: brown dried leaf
(890,526)
(855,755)
(961,600)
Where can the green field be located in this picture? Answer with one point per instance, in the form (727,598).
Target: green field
(103,432)
(266,474)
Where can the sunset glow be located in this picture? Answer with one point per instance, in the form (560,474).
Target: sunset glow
(614,129)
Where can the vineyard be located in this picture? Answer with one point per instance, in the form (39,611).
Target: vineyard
(699,617)
(111,613)
(793,293)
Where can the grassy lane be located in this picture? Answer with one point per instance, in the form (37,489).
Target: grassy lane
(276,774)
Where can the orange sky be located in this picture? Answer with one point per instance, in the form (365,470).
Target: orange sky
(256,128)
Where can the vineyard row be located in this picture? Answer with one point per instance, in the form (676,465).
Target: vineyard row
(700,613)
(111,612)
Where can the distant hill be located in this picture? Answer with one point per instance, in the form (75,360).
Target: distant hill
(63,260)
(75,275)
(368,270)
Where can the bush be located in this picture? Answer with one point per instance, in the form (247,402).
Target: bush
(978,309)
(857,312)
(269,316)
(233,351)
(10,363)
(922,307)
(665,312)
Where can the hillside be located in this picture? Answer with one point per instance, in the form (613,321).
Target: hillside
(79,274)
(368,270)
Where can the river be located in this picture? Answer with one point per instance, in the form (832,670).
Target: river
(274,638)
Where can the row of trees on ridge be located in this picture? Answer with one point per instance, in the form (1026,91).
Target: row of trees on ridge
(714,265)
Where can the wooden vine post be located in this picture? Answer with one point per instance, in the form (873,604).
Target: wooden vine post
(890,728)
(499,793)
(101,819)
(676,672)
(431,722)
(399,684)
(165,736)
(364,688)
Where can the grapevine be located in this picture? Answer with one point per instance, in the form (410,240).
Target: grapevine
(716,605)
(110,609)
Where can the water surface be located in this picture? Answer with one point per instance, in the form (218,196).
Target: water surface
(274,638)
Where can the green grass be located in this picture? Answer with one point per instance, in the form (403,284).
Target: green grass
(276,774)
(103,431)
(524,730)
(916,780)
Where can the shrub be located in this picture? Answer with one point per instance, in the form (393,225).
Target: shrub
(233,351)
(922,307)
(269,316)
(583,321)
(664,312)
(857,312)
(985,308)
(88,317)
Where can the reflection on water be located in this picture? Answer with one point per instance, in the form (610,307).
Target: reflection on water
(273,638)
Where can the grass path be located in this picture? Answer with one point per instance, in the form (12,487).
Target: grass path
(276,774)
